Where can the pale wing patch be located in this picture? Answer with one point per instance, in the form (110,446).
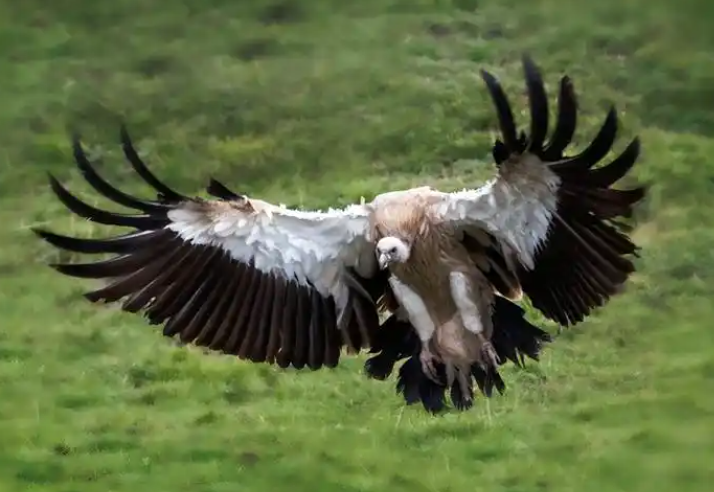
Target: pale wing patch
(312,247)
(516,207)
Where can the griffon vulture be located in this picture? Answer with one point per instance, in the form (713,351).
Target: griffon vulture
(293,287)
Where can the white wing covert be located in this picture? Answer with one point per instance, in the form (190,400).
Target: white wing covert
(556,216)
(234,274)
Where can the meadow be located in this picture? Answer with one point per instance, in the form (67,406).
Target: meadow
(316,103)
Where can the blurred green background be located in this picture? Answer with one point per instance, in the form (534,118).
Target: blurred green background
(316,103)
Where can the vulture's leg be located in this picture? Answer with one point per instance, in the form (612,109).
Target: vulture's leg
(464,380)
(420,318)
(428,358)
(450,370)
(475,314)
(462,376)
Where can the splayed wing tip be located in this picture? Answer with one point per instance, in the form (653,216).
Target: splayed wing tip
(106,189)
(164,191)
(538,104)
(219,190)
(504,112)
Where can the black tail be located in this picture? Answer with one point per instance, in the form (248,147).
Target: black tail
(514,339)
(395,341)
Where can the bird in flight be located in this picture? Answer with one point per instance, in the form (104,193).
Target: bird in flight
(295,287)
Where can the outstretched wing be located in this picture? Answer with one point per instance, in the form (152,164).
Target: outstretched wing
(557,216)
(233,274)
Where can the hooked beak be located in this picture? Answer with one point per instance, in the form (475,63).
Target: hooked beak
(383,261)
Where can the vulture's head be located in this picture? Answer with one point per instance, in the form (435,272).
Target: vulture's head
(391,250)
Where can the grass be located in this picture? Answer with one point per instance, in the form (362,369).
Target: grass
(315,103)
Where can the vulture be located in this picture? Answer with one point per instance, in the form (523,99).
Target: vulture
(430,276)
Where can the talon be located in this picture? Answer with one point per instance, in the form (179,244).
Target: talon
(489,352)
(466,389)
(427,359)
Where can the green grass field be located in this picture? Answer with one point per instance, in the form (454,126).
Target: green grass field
(314,103)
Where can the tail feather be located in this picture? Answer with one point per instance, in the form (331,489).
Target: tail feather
(380,366)
(514,338)
(459,399)
(395,340)
(415,386)
(487,380)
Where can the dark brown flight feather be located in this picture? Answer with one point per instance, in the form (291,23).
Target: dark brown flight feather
(584,260)
(200,293)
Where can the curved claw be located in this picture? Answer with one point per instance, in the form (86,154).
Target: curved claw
(428,359)
(490,355)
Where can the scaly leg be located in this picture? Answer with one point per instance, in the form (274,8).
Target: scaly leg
(488,351)
(464,377)
(427,359)
(471,314)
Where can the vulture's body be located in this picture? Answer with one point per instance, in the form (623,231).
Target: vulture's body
(293,288)
(444,294)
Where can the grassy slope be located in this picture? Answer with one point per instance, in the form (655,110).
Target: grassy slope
(314,103)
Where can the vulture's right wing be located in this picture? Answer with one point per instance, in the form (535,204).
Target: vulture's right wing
(556,218)
(236,274)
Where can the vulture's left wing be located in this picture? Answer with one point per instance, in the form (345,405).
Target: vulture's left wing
(234,274)
(555,217)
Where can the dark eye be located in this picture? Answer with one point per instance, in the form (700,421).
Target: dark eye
(393,250)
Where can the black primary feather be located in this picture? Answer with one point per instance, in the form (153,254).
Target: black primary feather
(584,260)
(200,293)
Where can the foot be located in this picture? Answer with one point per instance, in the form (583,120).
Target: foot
(464,380)
(428,359)
(488,352)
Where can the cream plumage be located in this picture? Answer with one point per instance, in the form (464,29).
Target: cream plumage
(293,287)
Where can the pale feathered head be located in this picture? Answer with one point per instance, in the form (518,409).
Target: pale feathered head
(391,250)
